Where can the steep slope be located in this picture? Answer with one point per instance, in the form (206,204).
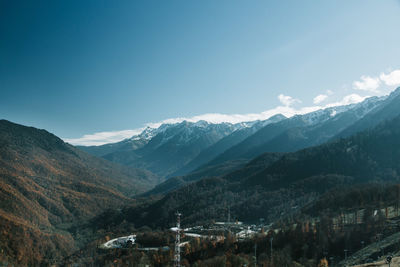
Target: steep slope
(176,182)
(389,109)
(173,147)
(372,155)
(278,188)
(260,137)
(47,185)
(299,132)
(228,169)
(133,143)
(330,122)
(294,134)
(248,129)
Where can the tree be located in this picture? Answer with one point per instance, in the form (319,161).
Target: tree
(323,263)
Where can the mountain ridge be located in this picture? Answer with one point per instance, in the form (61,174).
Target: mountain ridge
(170,147)
(47,185)
(292,134)
(266,189)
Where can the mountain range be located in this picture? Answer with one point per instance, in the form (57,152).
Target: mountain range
(292,134)
(167,149)
(265,169)
(274,185)
(178,149)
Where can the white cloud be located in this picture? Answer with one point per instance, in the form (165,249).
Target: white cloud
(319,99)
(367,83)
(116,136)
(287,100)
(391,79)
(237,118)
(112,137)
(352,99)
(285,109)
(347,100)
(101,138)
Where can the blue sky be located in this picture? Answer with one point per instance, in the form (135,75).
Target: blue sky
(85,67)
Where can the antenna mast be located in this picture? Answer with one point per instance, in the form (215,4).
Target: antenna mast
(229,214)
(177,256)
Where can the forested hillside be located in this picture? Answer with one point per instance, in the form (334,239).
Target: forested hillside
(271,188)
(46,186)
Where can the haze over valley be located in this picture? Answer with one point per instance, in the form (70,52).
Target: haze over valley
(150,133)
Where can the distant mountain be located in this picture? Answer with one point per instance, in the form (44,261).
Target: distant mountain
(133,143)
(178,150)
(229,169)
(166,149)
(299,132)
(271,187)
(386,110)
(189,174)
(205,151)
(248,129)
(176,182)
(46,186)
(372,155)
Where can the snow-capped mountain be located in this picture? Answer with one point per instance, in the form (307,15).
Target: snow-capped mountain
(370,114)
(299,131)
(165,149)
(179,148)
(243,131)
(283,135)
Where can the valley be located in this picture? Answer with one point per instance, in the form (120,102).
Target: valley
(228,133)
(323,180)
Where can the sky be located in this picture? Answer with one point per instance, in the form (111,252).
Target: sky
(95,71)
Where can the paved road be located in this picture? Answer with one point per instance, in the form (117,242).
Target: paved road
(395,263)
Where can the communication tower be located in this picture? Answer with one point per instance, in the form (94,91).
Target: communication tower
(177,256)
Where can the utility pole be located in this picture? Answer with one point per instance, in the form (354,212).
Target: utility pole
(345,254)
(271,245)
(255,255)
(177,256)
(389,260)
(379,240)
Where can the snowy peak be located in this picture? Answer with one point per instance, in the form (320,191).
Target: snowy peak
(187,132)
(147,134)
(189,129)
(369,104)
(202,124)
(320,116)
(395,93)
(359,110)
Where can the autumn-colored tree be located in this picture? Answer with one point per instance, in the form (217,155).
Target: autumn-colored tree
(323,263)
